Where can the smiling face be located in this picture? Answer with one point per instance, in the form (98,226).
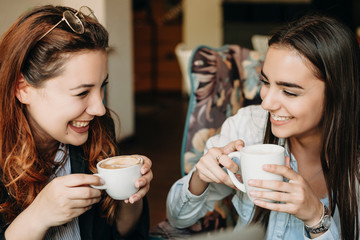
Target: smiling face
(292,94)
(62,108)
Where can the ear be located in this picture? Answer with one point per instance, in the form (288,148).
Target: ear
(22,91)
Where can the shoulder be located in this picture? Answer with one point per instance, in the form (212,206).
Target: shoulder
(248,124)
(253,117)
(252,111)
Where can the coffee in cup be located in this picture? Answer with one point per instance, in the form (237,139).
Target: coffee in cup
(119,162)
(251,160)
(119,174)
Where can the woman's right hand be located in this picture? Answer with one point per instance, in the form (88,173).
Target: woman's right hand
(61,200)
(208,168)
(65,198)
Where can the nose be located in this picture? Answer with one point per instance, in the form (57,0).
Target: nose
(270,99)
(96,106)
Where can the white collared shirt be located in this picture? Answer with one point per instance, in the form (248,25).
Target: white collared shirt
(70,230)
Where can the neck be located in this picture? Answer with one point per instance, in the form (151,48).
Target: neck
(45,144)
(308,157)
(309,147)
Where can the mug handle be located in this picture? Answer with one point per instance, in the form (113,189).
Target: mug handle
(236,182)
(101,187)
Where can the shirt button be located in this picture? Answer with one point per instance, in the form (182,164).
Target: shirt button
(279,235)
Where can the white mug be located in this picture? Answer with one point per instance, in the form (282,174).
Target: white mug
(251,160)
(119,174)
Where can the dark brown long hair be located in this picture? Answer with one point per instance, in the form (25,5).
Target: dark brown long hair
(333,50)
(23,172)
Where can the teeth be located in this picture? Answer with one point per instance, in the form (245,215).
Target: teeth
(278,118)
(79,124)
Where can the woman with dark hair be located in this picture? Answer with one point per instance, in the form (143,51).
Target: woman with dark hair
(310,97)
(55,128)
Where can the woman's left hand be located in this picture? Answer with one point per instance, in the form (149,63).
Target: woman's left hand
(142,183)
(294,197)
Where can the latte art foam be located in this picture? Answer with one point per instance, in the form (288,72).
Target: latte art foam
(120,162)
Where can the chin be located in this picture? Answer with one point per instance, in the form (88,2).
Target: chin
(78,141)
(77,144)
(280,134)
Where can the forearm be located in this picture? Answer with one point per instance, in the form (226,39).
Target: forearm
(184,208)
(196,185)
(128,216)
(25,226)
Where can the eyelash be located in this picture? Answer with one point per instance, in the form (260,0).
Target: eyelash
(83,94)
(104,83)
(263,81)
(266,83)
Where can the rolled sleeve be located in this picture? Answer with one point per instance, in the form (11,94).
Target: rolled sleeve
(184,208)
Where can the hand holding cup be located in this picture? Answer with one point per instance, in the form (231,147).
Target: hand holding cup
(120,174)
(251,160)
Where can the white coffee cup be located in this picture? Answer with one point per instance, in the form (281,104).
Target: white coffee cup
(251,160)
(119,174)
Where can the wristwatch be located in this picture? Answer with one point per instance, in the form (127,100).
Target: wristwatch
(323,225)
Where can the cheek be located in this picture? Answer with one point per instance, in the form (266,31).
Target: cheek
(318,114)
(311,114)
(71,108)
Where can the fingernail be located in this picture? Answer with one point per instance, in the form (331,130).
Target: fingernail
(251,182)
(134,199)
(138,184)
(266,166)
(102,181)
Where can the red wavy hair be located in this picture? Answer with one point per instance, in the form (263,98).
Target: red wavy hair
(24,172)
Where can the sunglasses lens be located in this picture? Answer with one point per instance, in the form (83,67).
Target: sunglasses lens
(74,22)
(86,11)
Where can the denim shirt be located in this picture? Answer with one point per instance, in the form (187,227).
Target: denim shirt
(184,208)
(282,225)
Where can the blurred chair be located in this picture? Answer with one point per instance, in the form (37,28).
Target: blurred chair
(183,57)
(260,42)
(222,81)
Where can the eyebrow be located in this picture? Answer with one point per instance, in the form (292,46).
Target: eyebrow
(282,83)
(88,85)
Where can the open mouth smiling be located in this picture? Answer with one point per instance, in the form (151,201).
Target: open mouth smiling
(280,118)
(80,124)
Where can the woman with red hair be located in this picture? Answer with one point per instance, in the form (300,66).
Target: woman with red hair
(54,128)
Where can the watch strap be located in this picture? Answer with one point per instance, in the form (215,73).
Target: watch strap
(323,225)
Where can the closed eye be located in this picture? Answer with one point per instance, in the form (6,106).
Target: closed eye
(263,81)
(286,92)
(290,93)
(83,94)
